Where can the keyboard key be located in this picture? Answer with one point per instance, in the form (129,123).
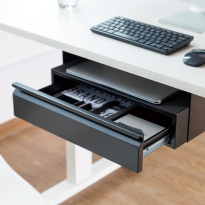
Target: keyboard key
(179,41)
(131,34)
(159,46)
(185,36)
(100,28)
(105,29)
(153,44)
(148,42)
(110,31)
(157,41)
(146,38)
(167,38)
(151,40)
(182,38)
(167,44)
(173,42)
(173,39)
(142,41)
(165,48)
(107,23)
(126,36)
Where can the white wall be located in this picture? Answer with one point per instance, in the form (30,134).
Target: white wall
(26,62)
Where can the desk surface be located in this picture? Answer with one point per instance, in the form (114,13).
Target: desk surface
(43,21)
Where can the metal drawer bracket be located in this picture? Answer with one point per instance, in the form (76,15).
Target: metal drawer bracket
(155,146)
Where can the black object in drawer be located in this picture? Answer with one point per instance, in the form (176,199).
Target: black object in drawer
(116,142)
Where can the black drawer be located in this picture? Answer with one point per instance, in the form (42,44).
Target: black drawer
(117,142)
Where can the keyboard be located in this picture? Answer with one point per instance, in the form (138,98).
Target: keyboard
(143,35)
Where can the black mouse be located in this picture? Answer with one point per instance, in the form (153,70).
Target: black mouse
(195,57)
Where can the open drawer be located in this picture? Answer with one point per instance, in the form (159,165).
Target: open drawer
(115,136)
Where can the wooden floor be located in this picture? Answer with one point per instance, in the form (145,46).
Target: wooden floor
(169,177)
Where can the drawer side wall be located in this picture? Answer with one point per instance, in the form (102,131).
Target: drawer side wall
(197,117)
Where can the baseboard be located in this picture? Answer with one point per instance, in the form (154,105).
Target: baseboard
(12,126)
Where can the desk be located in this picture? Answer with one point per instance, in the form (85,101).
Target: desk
(43,21)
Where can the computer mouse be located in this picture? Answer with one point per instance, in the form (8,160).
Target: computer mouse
(195,57)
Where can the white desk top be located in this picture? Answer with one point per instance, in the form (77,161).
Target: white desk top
(45,22)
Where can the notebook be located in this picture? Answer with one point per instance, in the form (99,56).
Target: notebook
(133,85)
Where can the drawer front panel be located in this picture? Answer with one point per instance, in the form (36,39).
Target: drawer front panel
(86,133)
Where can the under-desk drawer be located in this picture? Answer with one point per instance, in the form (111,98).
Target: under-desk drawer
(111,137)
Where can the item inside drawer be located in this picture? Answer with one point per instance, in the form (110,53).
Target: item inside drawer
(89,98)
(148,128)
(149,122)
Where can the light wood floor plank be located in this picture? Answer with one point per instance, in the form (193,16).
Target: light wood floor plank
(12,126)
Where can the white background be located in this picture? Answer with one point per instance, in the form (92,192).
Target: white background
(26,62)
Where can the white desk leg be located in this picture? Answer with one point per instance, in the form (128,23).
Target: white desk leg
(81,173)
(79,163)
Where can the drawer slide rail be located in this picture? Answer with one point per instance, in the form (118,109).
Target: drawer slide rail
(156,145)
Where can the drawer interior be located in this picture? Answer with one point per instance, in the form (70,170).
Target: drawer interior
(111,106)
